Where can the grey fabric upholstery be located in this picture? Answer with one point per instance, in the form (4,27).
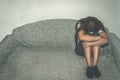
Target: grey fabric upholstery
(47,32)
(7,46)
(115,48)
(44,50)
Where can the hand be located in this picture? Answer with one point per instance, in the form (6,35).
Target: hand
(97,37)
(86,44)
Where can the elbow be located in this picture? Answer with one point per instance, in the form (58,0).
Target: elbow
(106,41)
(81,38)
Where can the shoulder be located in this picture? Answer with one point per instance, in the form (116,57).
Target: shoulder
(102,28)
(78,25)
(103,34)
(81,32)
(100,31)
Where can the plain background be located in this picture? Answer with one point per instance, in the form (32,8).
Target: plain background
(15,13)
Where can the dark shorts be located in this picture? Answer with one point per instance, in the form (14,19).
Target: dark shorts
(79,50)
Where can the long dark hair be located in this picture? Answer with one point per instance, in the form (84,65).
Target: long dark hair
(89,24)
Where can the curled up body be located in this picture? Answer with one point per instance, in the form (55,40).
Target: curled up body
(92,35)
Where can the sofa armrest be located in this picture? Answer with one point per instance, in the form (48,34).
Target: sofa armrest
(7,45)
(115,47)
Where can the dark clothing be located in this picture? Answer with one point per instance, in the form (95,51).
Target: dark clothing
(79,50)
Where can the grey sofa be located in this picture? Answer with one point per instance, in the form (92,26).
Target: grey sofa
(44,50)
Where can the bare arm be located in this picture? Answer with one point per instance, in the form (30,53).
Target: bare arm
(102,41)
(85,37)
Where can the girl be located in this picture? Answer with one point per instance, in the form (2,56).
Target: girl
(92,34)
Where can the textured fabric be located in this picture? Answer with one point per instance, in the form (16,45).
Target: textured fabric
(58,33)
(115,48)
(44,50)
(53,64)
(7,46)
(42,64)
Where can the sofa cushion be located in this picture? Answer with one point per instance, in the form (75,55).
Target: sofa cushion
(53,64)
(42,64)
(47,33)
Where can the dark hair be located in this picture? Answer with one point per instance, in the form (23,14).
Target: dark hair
(89,24)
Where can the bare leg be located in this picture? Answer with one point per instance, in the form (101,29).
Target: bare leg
(96,71)
(89,72)
(88,56)
(95,50)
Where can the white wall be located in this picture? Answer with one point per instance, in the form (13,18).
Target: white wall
(116,20)
(14,13)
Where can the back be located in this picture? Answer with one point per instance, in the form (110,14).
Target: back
(47,33)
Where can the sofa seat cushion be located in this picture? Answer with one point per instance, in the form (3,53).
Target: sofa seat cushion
(42,64)
(106,65)
(53,64)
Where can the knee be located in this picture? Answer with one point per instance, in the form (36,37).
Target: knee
(95,48)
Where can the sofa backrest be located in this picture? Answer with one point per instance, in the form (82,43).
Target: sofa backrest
(47,33)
